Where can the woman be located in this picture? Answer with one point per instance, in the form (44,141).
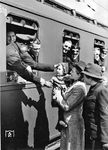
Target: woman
(72,137)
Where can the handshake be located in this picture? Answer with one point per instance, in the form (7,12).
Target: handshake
(42,81)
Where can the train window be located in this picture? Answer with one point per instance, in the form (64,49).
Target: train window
(100,53)
(24,33)
(71,49)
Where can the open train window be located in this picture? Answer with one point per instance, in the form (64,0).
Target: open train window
(71,48)
(26,33)
(100,53)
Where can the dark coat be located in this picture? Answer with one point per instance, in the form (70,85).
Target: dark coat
(96,113)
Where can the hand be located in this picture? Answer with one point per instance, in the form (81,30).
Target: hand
(35,45)
(29,68)
(24,48)
(105,80)
(56,65)
(103,68)
(42,81)
(105,146)
(59,99)
(67,77)
(48,84)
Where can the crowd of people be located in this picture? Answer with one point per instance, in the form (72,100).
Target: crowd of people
(83,113)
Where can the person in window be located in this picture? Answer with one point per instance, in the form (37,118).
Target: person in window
(23,51)
(19,60)
(75,54)
(34,47)
(103,55)
(95,110)
(72,137)
(97,55)
(66,50)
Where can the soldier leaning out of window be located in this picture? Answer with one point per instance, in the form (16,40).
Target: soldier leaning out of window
(19,60)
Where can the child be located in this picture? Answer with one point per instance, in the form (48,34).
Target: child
(57,82)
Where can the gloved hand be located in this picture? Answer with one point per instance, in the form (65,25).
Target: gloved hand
(42,81)
(29,68)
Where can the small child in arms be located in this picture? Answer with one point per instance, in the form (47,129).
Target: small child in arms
(57,82)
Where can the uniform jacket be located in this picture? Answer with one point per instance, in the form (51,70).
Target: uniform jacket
(96,112)
(14,54)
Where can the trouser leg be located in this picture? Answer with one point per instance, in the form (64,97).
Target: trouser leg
(92,144)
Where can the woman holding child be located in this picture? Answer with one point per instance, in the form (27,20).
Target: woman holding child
(72,136)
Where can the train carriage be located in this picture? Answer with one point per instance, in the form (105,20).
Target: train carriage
(27,117)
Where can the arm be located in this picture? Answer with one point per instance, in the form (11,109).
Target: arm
(27,58)
(35,65)
(43,67)
(71,99)
(52,83)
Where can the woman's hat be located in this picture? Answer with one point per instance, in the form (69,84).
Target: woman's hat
(93,70)
(81,65)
